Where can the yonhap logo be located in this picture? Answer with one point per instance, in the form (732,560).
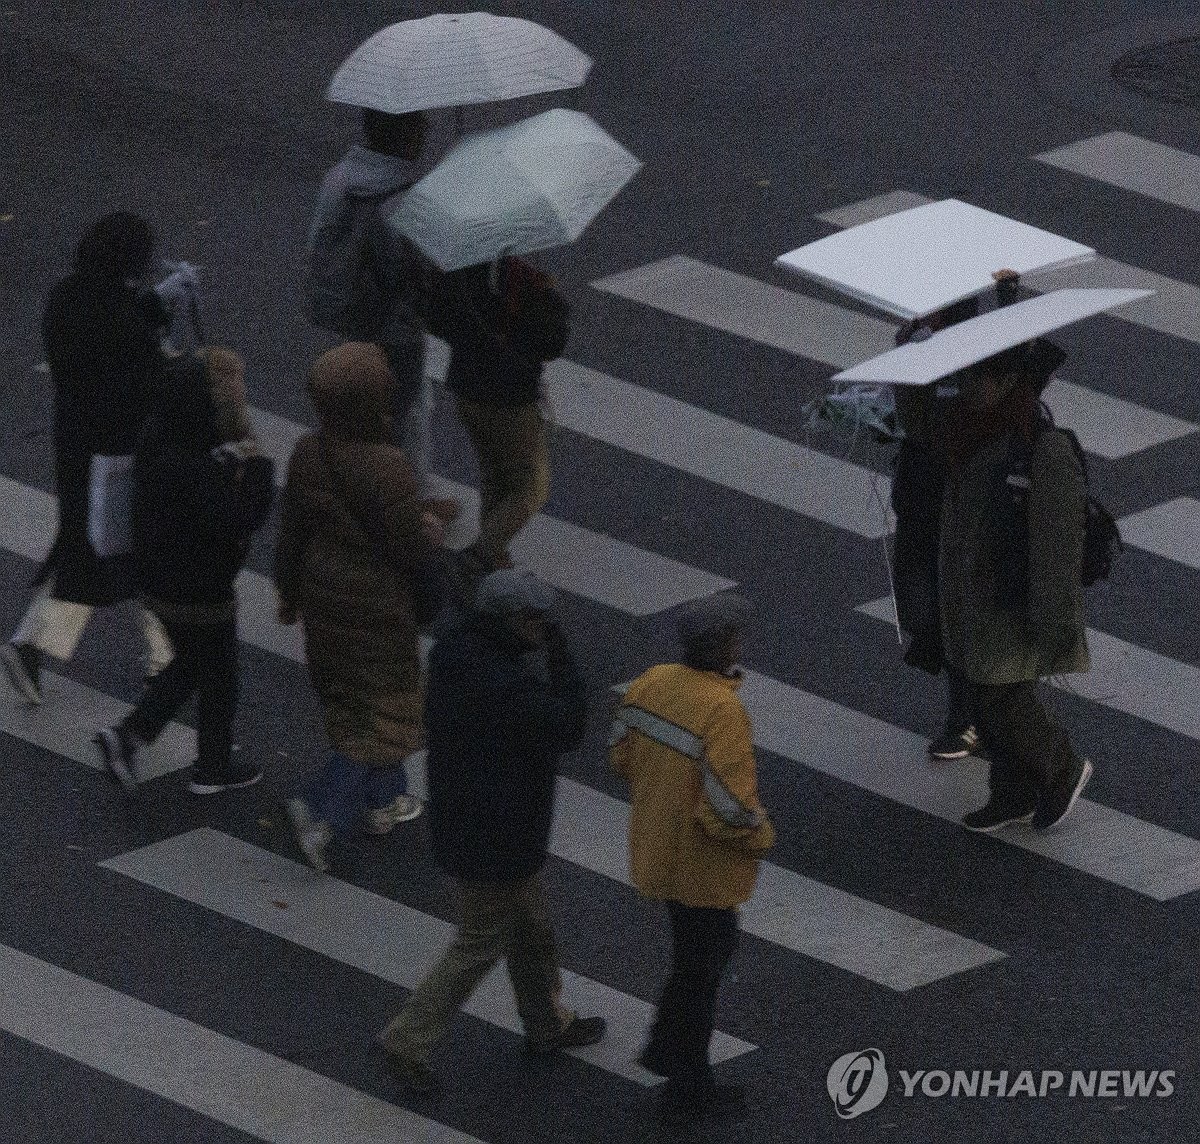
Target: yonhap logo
(857,1082)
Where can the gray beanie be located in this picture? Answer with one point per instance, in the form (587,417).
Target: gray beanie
(511,590)
(703,621)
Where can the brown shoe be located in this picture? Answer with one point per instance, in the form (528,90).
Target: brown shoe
(445,509)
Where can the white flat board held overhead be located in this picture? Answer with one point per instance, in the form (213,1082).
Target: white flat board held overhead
(964,344)
(921,260)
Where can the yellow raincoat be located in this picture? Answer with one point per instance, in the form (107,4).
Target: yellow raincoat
(682,739)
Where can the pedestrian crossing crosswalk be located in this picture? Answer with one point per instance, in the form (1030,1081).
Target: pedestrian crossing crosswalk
(251,1091)
(377,935)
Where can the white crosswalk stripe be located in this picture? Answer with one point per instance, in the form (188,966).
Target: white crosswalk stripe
(1171,530)
(892,763)
(375,934)
(577,560)
(1133,164)
(212,1074)
(591,828)
(789,910)
(1123,677)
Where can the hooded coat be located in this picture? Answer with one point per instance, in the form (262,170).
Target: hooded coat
(349,555)
(102,341)
(399,268)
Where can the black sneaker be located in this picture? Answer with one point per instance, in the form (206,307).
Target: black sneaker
(955,744)
(1057,802)
(996,815)
(655,1061)
(234,776)
(23,666)
(689,1102)
(119,753)
(577,1033)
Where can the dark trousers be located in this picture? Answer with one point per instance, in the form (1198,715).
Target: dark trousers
(703,941)
(1028,749)
(205,665)
(960,712)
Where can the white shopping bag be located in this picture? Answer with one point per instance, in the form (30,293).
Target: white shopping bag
(110,496)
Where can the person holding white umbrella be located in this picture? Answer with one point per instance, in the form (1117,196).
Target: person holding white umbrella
(528,186)
(366,282)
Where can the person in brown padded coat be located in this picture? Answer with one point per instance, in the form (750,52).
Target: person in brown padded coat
(354,561)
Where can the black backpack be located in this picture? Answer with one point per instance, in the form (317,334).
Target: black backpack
(1102,542)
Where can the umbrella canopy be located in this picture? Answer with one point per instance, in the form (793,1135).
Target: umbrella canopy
(917,261)
(956,347)
(528,186)
(451,61)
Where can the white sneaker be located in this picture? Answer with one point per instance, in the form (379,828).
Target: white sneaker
(312,837)
(403,808)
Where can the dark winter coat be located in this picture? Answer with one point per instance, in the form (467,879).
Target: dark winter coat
(501,338)
(349,556)
(496,728)
(1011,598)
(102,346)
(193,512)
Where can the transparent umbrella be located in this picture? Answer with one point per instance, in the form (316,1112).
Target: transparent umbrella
(529,186)
(451,61)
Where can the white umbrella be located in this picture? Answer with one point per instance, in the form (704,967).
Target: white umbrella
(528,186)
(964,344)
(451,61)
(917,261)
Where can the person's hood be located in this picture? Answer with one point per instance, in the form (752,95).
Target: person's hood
(350,386)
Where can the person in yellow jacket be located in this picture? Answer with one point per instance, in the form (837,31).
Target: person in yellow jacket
(682,739)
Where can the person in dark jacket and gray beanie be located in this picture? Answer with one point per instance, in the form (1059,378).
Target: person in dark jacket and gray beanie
(504,699)
(196,503)
(102,332)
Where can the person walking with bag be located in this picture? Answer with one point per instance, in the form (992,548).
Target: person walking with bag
(1009,568)
(196,503)
(369,283)
(682,739)
(102,330)
(356,562)
(504,701)
(504,321)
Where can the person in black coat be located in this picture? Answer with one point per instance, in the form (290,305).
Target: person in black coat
(503,320)
(196,504)
(503,701)
(102,332)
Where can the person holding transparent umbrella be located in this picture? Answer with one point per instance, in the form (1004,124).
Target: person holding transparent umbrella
(368,282)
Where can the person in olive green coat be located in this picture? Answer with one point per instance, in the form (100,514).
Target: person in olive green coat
(1010,596)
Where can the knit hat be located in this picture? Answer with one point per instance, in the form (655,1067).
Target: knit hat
(511,590)
(351,387)
(703,622)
